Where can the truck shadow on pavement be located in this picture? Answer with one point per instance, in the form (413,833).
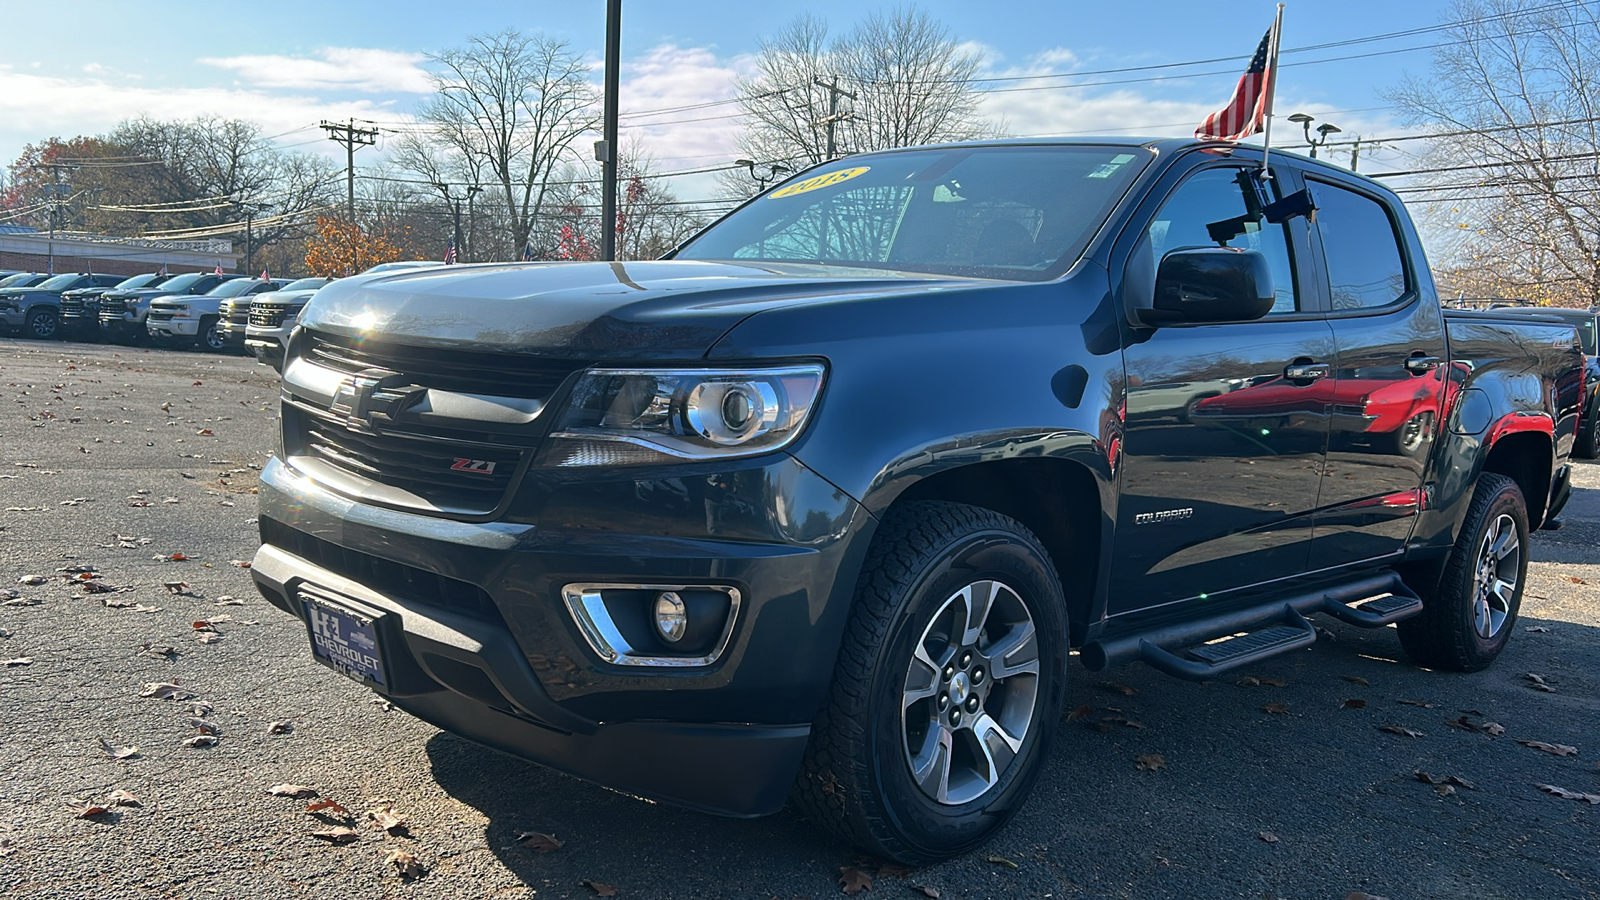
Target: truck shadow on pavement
(1280,783)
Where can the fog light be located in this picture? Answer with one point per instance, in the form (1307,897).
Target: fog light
(672,617)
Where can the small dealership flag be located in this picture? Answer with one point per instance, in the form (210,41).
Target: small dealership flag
(163,268)
(1251,106)
(217,270)
(450,253)
(265,275)
(527,252)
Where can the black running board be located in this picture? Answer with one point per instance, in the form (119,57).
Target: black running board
(1205,648)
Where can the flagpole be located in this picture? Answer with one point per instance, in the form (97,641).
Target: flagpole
(1272,90)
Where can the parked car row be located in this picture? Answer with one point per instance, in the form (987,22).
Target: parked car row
(207,310)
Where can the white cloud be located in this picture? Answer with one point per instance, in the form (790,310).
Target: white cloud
(669,76)
(338,69)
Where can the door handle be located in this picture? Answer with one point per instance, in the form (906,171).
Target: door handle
(1418,364)
(1306,372)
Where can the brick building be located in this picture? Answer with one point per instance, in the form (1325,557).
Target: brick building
(31,251)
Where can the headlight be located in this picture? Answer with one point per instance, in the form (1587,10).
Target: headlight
(639,417)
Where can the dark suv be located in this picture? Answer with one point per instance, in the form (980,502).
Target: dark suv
(821,506)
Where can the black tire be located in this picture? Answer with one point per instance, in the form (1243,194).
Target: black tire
(43,324)
(1449,633)
(857,778)
(1587,445)
(210,337)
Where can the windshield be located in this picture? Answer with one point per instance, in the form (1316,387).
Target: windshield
(60,282)
(183,282)
(1016,212)
(140,281)
(306,284)
(14,280)
(234,288)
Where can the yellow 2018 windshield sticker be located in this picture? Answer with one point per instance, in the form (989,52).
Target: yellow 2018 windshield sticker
(818,181)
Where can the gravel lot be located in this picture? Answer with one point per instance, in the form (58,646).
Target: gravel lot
(1261,791)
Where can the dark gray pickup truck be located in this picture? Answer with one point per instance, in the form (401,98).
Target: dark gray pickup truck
(819,506)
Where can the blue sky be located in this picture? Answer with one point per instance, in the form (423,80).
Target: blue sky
(286,64)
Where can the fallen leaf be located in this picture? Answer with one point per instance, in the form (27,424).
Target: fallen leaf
(931,893)
(1494,728)
(201,708)
(1356,679)
(226,600)
(1422,703)
(1573,579)
(32,579)
(204,727)
(1400,729)
(297,791)
(239,563)
(384,817)
(175,587)
(539,841)
(407,864)
(118,752)
(1444,790)
(1555,749)
(1445,780)
(1150,762)
(1082,712)
(853,880)
(280,727)
(1354,704)
(338,835)
(87,810)
(601,889)
(178,557)
(1538,683)
(1277,709)
(1267,836)
(1565,794)
(201,740)
(381,703)
(318,806)
(162,690)
(1273,682)
(210,637)
(1123,689)
(1248,681)
(204,431)
(1537,629)
(18,661)
(123,798)
(1001,861)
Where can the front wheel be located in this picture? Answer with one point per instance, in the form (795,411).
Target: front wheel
(1467,618)
(946,689)
(211,336)
(42,324)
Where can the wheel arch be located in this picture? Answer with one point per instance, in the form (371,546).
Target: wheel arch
(1526,457)
(1060,500)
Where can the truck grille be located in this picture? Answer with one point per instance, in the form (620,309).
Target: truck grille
(235,312)
(160,315)
(113,306)
(461,469)
(72,307)
(500,375)
(267,317)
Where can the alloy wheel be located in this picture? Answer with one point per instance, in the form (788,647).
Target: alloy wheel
(1498,570)
(970,692)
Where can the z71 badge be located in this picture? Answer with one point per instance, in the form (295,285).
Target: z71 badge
(475,466)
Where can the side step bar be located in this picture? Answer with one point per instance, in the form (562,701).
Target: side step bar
(1205,648)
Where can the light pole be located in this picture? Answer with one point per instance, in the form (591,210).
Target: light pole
(1325,129)
(773,171)
(455,207)
(250,210)
(472,224)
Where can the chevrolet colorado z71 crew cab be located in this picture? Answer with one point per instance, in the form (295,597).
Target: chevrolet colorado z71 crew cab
(818,505)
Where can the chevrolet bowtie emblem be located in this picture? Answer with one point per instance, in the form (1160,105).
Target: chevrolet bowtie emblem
(374,396)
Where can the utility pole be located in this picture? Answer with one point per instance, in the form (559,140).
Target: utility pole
(834,93)
(454,203)
(606,150)
(350,137)
(472,223)
(50,209)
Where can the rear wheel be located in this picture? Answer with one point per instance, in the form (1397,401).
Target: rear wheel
(42,324)
(1467,618)
(946,689)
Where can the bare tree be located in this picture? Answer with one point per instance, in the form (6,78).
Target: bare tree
(896,79)
(1516,85)
(508,110)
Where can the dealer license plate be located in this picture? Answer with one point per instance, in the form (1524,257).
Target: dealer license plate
(344,639)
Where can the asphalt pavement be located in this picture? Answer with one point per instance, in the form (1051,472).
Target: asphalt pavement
(141,464)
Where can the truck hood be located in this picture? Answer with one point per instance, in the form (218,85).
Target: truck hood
(660,310)
(141,294)
(282,298)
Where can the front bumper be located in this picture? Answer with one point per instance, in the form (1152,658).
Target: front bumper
(12,318)
(173,327)
(274,339)
(127,325)
(515,673)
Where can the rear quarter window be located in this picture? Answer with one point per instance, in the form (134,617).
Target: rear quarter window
(1366,266)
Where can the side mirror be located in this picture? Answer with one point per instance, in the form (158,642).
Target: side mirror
(1201,285)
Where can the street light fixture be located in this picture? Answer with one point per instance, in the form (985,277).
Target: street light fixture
(1325,129)
(773,171)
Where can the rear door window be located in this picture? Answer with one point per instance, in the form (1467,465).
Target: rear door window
(1366,268)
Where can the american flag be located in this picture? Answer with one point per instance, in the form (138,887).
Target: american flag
(163,268)
(450,253)
(1247,111)
(527,252)
(265,276)
(217,270)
